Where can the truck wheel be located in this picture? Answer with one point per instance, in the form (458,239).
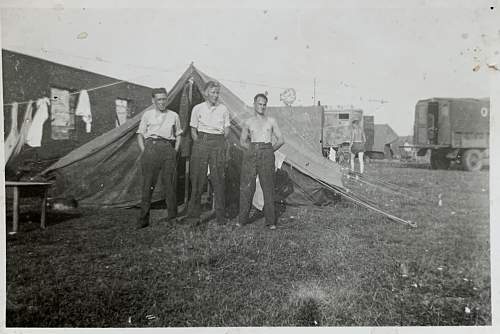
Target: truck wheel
(439,160)
(472,160)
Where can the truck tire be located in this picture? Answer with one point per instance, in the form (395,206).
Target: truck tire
(439,160)
(472,160)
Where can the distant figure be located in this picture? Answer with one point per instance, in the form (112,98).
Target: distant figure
(407,151)
(159,138)
(357,144)
(332,154)
(258,159)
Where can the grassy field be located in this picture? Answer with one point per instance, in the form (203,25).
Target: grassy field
(324,266)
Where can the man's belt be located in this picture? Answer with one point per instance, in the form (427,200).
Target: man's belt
(206,135)
(260,145)
(161,139)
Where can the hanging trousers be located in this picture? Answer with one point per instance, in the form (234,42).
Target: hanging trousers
(208,151)
(257,160)
(159,156)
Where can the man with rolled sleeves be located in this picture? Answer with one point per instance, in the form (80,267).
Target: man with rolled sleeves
(209,128)
(159,139)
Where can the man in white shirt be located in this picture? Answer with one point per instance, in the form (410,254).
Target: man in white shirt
(158,137)
(209,128)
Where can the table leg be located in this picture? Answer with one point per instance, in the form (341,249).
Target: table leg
(15,208)
(44,209)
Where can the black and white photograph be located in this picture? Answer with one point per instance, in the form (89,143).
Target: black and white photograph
(250,165)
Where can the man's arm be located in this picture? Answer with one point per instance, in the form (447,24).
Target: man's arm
(280,141)
(140,141)
(178,133)
(227,122)
(194,133)
(193,123)
(244,135)
(140,132)
(177,143)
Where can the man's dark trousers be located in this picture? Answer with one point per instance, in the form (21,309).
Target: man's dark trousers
(159,156)
(257,160)
(208,150)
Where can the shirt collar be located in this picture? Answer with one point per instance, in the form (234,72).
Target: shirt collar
(211,107)
(162,113)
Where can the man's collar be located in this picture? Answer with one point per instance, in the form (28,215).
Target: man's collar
(209,105)
(162,112)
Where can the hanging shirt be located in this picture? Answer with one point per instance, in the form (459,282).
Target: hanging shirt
(23,132)
(332,154)
(83,110)
(210,119)
(155,123)
(11,140)
(35,133)
(258,196)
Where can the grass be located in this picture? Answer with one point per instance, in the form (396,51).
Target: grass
(340,265)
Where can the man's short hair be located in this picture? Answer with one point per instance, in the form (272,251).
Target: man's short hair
(211,84)
(160,90)
(260,95)
(355,121)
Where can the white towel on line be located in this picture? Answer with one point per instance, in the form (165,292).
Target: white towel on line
(35,132)
(83,110)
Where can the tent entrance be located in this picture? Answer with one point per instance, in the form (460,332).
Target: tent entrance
(182,103)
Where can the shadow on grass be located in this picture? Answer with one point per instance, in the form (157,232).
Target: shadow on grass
(30,220)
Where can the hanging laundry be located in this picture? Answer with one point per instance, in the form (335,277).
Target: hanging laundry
(23,132)
(83,109)
(11,140)
(258,196)
(35,133)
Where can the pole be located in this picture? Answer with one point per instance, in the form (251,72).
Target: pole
(314,92)
(322,126)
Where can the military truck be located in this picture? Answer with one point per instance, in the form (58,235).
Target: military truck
(336,127)
(453,130)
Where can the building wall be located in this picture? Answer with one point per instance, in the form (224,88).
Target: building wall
(26,77)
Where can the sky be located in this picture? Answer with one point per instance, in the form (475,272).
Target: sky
(382,60)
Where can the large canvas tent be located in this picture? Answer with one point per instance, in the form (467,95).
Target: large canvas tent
(105,172)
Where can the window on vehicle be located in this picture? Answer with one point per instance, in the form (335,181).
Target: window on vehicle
(344,116)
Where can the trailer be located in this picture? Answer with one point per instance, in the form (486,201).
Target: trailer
(453,130)
(336,126)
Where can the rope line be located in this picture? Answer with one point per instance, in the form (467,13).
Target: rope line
(73,93)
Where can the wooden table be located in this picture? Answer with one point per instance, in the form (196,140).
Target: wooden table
(38,189)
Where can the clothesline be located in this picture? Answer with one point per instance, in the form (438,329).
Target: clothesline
(73,93)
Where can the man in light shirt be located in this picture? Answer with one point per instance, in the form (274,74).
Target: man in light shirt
(209,128)
(159,139)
